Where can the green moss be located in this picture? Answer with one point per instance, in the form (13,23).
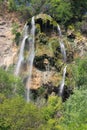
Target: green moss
(58,63)
(43,38)
(46,18)
(54,45)
(38,29)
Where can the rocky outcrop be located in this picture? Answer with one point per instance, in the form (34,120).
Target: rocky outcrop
(76,44)
(48,59)
(7,49)
(48,62)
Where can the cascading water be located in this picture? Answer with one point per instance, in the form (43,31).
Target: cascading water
(31,58)
(21,54)
(63,82)
(61,44)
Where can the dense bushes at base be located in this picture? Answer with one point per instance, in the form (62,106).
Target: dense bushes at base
(16,114)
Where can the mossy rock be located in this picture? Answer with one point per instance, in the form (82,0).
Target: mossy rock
(38,29)
(43,39)
(54,45)
(46,18)
(58,64)
(70,77)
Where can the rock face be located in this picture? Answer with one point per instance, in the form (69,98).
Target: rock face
(48,60)
(7,50)
(77,42)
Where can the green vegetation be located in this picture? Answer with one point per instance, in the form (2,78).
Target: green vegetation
(15,32)
(10,85)
(75,111)
(80,72)
(50,113)
(62,10)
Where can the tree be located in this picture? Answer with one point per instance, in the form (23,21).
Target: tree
(61,10)
(79,8)
(16,114)
(75,111)
(52,113)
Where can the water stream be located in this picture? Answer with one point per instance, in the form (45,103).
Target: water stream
(31,58)
(63,82)
(63,51)
(21,54)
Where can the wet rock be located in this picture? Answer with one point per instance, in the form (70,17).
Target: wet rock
(71,34)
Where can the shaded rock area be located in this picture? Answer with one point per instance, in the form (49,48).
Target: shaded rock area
(49,89)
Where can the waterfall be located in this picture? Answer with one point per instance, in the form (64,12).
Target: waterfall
(63,82)
(61,44)
(31,58)
(21,54)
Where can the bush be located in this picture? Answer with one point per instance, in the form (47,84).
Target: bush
(80,72)
(75,112)
(10,85)
(15,32)
(16,114)
(12,5)
(25,12)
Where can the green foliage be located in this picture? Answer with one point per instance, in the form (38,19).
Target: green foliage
(43,39)
(15,32)
(78,8)
(12,5)
(61,10)
(16,114)
(10,85)
(26,12)
(1,1)
(75,111)
(80,72)
(52,112)
(38,6)
(15,27)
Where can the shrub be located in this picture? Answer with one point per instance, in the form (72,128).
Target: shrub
(12,5)
(15,32)
(75,112)
(10,85)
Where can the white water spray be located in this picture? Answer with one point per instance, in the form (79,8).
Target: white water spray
(63,82)
(21,54)
(61,44)
(31,58)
